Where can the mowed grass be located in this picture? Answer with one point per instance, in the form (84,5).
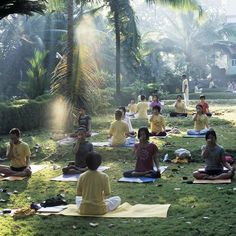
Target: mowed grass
(195,209)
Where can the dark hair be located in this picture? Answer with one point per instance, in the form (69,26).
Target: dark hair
(93,160)
(143,97)
(83,108)
(202,96)
(157,108)
(118,113)
(123,109)
(199,105)
(184,76)
(179,96)
(15,131)
(145,129)
(82,128)
(210,132)
(155,95)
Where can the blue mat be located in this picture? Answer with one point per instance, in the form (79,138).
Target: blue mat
(137,180)
(194,136)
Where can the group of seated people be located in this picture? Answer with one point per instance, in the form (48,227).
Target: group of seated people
(93,186)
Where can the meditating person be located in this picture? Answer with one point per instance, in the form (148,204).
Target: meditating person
(92,189)
(180,108)
(205,105)
(119,130)
(214,156)
(81,148)
(146,156)
(200,122)
(155,101)
(142,108)
(84,120)
(18,152)
(127,120)
(132,107)
(157,122)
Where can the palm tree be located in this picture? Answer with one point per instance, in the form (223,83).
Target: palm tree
(27,7)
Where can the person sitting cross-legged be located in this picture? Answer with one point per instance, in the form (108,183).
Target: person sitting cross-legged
(92,189)
(200,122)
(180,108)
(18,153)
(157,122)
(80,149)
(214,156)
(146,156)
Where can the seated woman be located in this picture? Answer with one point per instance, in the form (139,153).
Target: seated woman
(214,156)
(205,105)
(127,120)
(142,108)
(180,108)
(146,155)
(200,122)
(132,107)
(157,122)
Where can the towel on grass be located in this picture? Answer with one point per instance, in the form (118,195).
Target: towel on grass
(123,211)
(75,177)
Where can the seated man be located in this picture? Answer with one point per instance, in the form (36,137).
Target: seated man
(142,108)
(200,122)
(18,153)
(146,156)
(92,188)
(132,107)
(119,130)
(180,108)
(81,148)
(214,156)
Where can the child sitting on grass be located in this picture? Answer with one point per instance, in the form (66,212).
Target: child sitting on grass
(157,122)
(92,188)
(200,122)
(214,156)
(205,105)
(146,157)
(119,130)
(81,148)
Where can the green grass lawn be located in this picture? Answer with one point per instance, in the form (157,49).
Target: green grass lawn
(195,209)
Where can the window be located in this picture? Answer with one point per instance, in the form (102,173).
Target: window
(233,62)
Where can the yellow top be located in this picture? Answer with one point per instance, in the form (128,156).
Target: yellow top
(118,131)
(93,186)
(157,124)
(201,122)
(180,107)
(132,108)
(142,108)
(20,153)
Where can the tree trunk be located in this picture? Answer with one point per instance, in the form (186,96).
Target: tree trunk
(70,38)
(117,31)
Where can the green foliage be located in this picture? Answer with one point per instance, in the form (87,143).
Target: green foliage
(24,114)
(37,81)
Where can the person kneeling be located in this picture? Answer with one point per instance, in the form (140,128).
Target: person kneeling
(214,156)
(18,153)
(92,188)
(146,155)
(81,148)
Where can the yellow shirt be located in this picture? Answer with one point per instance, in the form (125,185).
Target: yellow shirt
(201,122)
(132,108)
(142,108)
(93,186)
(157,124)
(20,152)
(118,131)
(180,107)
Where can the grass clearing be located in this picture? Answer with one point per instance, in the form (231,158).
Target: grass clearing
(195,209)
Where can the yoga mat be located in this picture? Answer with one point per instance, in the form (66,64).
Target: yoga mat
(55,209)
(194,136)
(159,137)
(142,179)
(66,141)
(75,177)
(215,181)
(107,144)
(34,169)
(123,211)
